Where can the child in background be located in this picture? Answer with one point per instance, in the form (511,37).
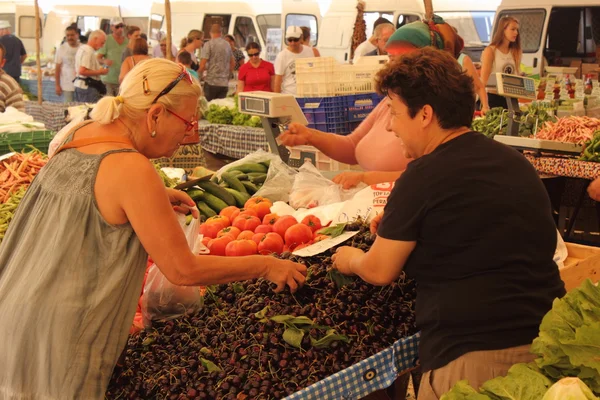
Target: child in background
(185,58)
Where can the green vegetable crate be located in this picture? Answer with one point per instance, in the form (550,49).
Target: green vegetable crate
(21,140)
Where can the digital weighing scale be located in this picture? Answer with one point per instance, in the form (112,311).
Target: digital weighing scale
(515,87)
(276,111)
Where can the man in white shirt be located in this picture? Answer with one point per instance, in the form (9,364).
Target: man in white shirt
(65,65)
(370,44)
(285,63)
(88,86)
(382,34)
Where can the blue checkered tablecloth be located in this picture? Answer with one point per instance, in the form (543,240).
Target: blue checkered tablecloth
(375,373)
(48,89)
(50,113)
(231,141)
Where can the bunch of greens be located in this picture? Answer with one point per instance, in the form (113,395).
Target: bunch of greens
(569,389)
(219,115)
(591,150)
(495,121)
(492,124)
(534,119)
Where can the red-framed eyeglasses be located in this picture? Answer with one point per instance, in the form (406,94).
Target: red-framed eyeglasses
(189,125)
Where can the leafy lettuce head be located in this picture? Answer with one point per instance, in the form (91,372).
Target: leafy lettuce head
(569,389)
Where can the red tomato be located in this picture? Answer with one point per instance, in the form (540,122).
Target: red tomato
(219,220)
(312,222)
(301,246)
(217,246)
(246,223)
(230,212)
(245,211)
(210,230)
(205,240)
(261,205)
(245,235)
(241,248)
(257,237)
(298,234)
(318,237)
(270,219)
(230,230)
(270,243)
(283,223)
(264,229)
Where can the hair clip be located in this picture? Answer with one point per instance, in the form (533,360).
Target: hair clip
(145,85)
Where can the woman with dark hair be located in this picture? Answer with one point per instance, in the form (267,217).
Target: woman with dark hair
(238,55)
(470,220)
(133,33)
(305,40)
(140,53)
(256,74)
(502,55)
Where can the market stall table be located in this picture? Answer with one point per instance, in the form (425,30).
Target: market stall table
(50,113)
(48,89)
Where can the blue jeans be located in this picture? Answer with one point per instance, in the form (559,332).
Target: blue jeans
(88,95)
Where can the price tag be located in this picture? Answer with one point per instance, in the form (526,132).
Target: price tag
(324,245)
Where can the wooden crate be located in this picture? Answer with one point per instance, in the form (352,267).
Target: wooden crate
(582,262)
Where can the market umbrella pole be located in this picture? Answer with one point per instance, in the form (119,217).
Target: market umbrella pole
(168,18)
(37,49)
(428,9)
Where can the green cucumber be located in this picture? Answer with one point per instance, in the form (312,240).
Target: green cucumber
(266,163)
(215,203)
(233,182)
(240,197)
(188,219)
(196,194)
(205,210)
(235,172)
(250,167)
(258,179)
(218,191)
(250,187)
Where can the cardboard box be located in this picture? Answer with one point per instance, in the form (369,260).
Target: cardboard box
(591,69)
(577,64)
(582,262)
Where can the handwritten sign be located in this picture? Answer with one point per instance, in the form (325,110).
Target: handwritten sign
(324,245)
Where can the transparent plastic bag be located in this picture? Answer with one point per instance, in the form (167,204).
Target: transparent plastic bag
(280,176)
(163,300)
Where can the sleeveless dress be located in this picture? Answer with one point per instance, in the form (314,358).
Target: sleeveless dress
(69,286)
(506,64)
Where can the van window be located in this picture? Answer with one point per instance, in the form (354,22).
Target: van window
(10,18)
(244,32)
(209,19)
(27,27)
(105,25)
(371,17)
(87,23)
(531,24)
(268,21)
(156,21)
(140,22)
(404,19)
(304,20)
(475,27)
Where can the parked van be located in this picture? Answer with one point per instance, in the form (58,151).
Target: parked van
(21,17)
(555,33)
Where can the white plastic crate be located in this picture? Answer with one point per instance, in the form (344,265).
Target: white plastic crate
(301,154)
(314,76)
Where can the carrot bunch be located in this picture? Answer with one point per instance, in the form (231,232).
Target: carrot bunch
(18,172)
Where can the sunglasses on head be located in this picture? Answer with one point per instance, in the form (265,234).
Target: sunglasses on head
(253,54)
(293,39)
(119,26)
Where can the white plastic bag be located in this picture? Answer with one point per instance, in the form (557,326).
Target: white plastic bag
(311,189)
(280,176)
(163,300)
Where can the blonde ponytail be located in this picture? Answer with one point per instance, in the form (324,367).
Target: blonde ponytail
(107,109)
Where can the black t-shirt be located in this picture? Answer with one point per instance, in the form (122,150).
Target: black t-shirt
(485,245)
(14,51)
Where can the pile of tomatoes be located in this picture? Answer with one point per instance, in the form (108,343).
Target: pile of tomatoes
(255,230)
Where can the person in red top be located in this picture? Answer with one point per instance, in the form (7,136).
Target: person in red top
(256,74)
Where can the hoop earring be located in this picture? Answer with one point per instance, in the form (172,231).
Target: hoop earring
(153,134)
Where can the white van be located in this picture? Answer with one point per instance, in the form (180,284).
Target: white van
(21,16)
(554,33)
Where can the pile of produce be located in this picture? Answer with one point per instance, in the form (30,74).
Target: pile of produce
(234,188)
(495,121)
(249,343)
(222,114)
(571,129)
(360,28)
(591,152)
(568,352)
(16,174)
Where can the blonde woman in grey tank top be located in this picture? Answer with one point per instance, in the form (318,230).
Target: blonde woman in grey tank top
(502,55)
(73,259)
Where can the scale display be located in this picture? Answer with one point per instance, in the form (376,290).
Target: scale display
(515,86)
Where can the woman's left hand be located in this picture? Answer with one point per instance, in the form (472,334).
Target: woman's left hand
(349,180)
(182,202)
(342,258)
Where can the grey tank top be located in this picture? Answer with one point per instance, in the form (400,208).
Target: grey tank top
(69,286)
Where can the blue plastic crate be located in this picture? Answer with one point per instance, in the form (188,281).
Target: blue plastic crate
(359,106)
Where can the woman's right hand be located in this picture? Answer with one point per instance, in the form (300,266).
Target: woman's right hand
(284,272)
(375,223)
(296,135)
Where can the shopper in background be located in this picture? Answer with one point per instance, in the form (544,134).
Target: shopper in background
(64,74)
(184,58)
(481,291)
(382,33)
(11,94)
(370,44)
(133,32)
(502,55)
(92,202)
(15,51)
(285,63)
(140,54)
(217,54)
(256,74)
(160,50)
(89,69)
(238,55)
(306,40)
(111,55)
(191,44)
